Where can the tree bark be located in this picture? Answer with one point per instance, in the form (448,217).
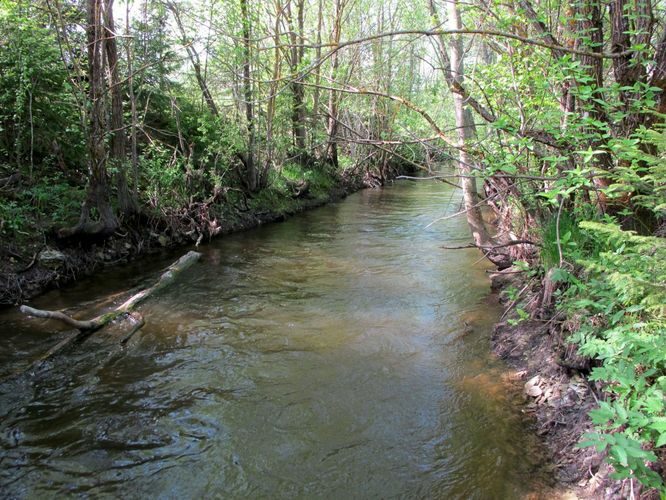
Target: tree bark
(273,86)
(659,74)
(315,96)
(628,68)
(333,97)
(297,88)
(134,154)
(464,127)
(127,203)
(251,177)
(97,196)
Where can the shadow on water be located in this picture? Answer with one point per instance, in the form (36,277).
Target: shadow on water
(339,354)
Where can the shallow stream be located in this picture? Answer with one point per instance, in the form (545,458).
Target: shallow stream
(340,354)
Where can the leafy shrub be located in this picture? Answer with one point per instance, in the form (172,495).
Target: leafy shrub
(49,202)
(570,239)
(624,297)
(13,217)
(55,199)
(163,182)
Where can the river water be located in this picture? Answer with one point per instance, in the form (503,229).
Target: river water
(326,356)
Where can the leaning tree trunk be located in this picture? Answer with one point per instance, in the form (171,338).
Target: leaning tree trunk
(465,128)
(195,60)
(97,196)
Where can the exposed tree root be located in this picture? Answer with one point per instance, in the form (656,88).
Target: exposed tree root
(492,247)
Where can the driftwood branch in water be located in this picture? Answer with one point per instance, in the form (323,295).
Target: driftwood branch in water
(138,324)
(492,247)
(96,323)
(86,327)
(59,316)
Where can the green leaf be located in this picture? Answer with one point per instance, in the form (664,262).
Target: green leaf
(620,454)
(661,440)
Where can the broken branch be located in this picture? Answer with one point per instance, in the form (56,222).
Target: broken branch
(86,327)
(492,247)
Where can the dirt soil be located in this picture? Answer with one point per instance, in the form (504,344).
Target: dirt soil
(557,393)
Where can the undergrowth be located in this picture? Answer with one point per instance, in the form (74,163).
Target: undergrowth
(46,203)
(616,280)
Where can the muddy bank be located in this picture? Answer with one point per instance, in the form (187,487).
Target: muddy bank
(43,262)
(557,392)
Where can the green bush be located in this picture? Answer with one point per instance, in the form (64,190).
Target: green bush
(48,203)
(623,294)
(13,217)
(570,239)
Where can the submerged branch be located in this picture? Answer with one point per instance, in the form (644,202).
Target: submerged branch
(96,323)
(86,327)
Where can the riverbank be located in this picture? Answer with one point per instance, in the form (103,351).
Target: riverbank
(555,384)
(37,261)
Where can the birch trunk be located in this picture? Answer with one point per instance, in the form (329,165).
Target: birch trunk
(465,131)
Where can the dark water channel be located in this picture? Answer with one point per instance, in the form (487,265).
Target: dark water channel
(326,356)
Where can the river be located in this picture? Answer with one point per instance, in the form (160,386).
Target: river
(340,354)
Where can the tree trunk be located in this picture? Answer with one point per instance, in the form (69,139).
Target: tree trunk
(297,88)
(333,97)
(193,56)
(464,127)
(97,196)
(627,66)
(316,93)
(126,202)
(134,115)
(273,87)
(659,74)
(251,177)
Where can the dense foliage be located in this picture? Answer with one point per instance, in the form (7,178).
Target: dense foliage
(557,108)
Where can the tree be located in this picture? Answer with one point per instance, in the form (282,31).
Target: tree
(297,51)
(127,203)
(252,178)
(98,195)
(333,96)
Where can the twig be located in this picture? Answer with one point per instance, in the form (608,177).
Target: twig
(515,301)
(557,231)
(139,322)
(493,247)
(32,262)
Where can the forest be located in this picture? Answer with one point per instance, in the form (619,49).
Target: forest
(138,124)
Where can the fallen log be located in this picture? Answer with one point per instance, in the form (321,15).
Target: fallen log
(128,306)
(86,327)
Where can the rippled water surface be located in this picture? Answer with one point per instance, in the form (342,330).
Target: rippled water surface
(326,356)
